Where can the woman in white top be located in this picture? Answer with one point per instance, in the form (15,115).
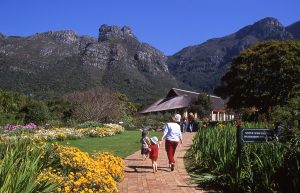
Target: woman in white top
(172,134)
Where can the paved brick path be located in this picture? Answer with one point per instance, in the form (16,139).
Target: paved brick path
(139,177)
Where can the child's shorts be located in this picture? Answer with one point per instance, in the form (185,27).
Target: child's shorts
(144,151)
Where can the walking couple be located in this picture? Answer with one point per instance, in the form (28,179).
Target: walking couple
(188,123)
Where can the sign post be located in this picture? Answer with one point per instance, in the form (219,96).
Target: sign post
(254,135)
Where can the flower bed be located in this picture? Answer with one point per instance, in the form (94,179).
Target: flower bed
(59,133)
(56,168)
(76,171)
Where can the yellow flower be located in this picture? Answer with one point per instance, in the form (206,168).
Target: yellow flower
(67,189)
(42,142)
(97,173)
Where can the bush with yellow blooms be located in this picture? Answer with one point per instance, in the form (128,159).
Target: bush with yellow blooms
(77,171)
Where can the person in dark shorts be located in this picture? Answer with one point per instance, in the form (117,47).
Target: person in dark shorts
(145,141)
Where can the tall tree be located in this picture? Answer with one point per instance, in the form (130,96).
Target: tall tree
(202,106)
(263,76)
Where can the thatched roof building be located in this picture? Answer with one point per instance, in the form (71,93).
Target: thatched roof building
(178,99)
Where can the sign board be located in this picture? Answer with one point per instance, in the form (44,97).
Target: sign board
(256,135)
(253,135)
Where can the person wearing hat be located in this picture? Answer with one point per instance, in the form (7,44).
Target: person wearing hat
(172,134)
(178,117)
(153,155)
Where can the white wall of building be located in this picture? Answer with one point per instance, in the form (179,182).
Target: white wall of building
(221,116)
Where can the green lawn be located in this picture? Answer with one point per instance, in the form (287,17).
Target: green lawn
(121,145)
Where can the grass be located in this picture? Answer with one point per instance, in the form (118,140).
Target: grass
(121,145)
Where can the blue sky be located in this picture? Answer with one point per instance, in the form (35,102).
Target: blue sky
(168,25)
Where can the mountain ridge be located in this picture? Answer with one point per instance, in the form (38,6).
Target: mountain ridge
(61,61)
(201,66)
(56,62)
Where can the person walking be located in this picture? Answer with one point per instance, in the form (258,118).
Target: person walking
(184,124)
(145,141)
(173,136)
(153,155)
(178,117)
(191,120)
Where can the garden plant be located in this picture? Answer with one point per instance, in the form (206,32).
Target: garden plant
(263,167)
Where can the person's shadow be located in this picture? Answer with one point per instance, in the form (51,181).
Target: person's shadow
(132,159)
(144,169)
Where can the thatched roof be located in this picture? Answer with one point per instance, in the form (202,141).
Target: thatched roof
(178,99)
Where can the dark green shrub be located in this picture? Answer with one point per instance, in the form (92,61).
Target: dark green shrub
(197,125)
(10,105)
(59,109)
(8,118)
(288,177)
(36,112)
(288,115)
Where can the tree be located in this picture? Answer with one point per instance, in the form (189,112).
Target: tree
(127,106)
(263,76)
(10,105)
(98,104)
(127,110)
(202,106)
(288,114)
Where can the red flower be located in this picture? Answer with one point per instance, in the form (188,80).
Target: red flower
(238,122)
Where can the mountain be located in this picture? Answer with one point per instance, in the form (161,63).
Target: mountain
(294,29)
(201,66)
(56,62)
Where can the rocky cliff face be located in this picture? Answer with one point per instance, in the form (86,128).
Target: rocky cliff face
(57,62)
(201,66)
(124,46)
